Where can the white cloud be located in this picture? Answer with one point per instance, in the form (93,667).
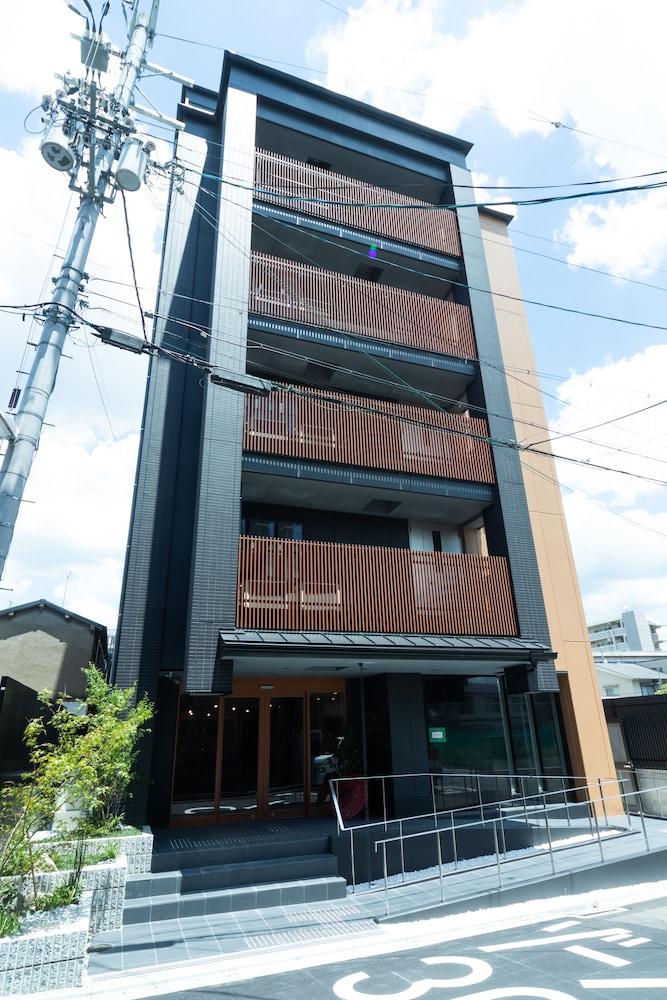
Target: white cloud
(82,530)
(587,65)
(620,563)
(81,478)
(35,44)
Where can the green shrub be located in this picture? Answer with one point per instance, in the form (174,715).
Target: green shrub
(90,758)
(9,923)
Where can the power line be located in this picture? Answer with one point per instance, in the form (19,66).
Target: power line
(213,222)
(427,206)
(134,272)
(594,500)
(604,423)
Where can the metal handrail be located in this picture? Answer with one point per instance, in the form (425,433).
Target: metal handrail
(498,862)
(342,828)
(452,812)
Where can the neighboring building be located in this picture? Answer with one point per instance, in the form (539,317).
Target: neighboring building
(44,646)
(632,632)
(622,680)
(355,569)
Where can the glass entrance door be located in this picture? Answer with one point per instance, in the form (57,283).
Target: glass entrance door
(286,789)
(262,761)
(266,750)
(239,777)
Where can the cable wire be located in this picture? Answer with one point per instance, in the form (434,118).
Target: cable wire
(134,272)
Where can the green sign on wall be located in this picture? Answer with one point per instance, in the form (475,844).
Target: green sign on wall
(437,734)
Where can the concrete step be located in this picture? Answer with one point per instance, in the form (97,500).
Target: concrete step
(172,905)
(212,852)
(229,876)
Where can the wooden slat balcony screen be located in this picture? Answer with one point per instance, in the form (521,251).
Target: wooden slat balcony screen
(291,183)
(324,586)
(400,437)
(315,297)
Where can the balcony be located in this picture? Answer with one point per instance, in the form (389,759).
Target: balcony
(372,434)
(296,185)
(322,586)
(311,296)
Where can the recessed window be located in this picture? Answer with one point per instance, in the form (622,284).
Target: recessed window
(261,529)
(290,529)
(320,164)
(612,691)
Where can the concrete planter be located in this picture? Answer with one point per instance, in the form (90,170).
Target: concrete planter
(105,882)
(137,848)
(51,953)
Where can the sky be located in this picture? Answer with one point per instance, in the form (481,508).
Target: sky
(548,93)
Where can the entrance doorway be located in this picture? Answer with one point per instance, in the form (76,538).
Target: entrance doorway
(266,750)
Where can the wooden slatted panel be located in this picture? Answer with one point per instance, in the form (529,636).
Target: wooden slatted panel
(313,296)
(281,180)
(324,586)
(320,428)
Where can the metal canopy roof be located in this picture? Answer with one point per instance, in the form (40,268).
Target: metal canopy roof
(239,642)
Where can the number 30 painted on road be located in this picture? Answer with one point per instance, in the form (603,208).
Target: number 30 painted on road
(345,988)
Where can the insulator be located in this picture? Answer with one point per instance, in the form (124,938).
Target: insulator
(131,165)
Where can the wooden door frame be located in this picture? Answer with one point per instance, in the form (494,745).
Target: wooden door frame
(263,688)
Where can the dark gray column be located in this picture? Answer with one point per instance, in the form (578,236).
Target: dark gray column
(528,598)
(215,545)
(409,751)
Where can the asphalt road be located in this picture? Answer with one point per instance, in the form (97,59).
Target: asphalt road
(621,955)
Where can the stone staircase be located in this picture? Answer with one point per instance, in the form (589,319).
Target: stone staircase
(228,868)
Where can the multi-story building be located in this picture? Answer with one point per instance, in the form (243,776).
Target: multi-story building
(360,571)
(631,632)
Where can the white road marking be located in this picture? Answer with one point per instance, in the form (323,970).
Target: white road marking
(617,936)
(561,926)
(345,988)
(623,984)
(557,939)
(597,956)
(633,942)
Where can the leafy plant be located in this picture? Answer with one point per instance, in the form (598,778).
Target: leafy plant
(89,759)
(9,923)
(86,759)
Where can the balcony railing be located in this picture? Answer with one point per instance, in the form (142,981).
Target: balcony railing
(323,586)
(374,434)
(327,195)
(310,295)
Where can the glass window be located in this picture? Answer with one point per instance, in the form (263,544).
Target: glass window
(194,772)
(522,746)
(612,690)
(548,736)
(240,740)
(261,529)
(327,746)
(468,710)
(290,529)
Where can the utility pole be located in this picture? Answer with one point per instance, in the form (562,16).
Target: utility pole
(90,134)
(83,123)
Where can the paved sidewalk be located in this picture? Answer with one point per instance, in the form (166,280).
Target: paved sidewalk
(241,933)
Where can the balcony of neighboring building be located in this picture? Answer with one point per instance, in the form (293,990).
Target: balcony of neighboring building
(295,585)
(331,427)
(404,216)
(314,298)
